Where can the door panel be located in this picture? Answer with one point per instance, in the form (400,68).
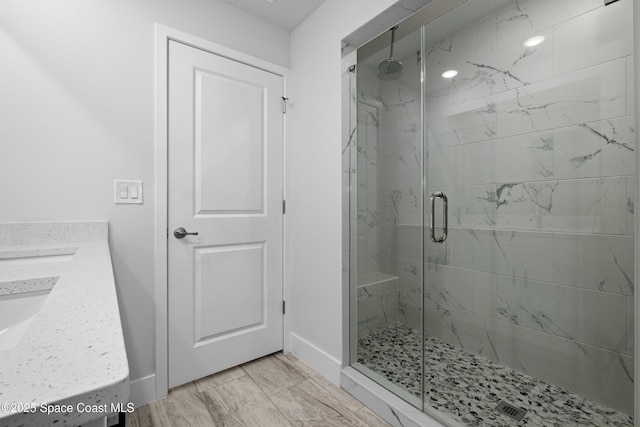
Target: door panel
(230,173)
(237,302)
(225,183)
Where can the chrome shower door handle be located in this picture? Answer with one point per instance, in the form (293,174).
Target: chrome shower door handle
(445,215)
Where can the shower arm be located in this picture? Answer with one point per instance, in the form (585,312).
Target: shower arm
(393,38)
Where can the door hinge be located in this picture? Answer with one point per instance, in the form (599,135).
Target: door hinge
(284,104)
(283,307)
(284,207)
(167,232)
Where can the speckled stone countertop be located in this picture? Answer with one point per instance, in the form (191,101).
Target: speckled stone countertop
(73,354)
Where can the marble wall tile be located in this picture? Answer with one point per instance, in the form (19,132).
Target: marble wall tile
(376,310)
(588,205)
(441,171)
(372,318)
(388,235)
(408,242)
(477,163)
(596,205)
(513,253)
(469,53)
(403,206)
(603,148)
(521,19)
(520,158)
(589,317)
(603,263)
(449,286)
(630,351)
(587,95)
(595,37)
(471,122)
(456,250)
(610,259)
(630,86)
(388,264)
(437,96)
(510,66)
(410,274)
(519,205)
(452,325)
(631,201)
(604,320)
(367,253)
(470,206)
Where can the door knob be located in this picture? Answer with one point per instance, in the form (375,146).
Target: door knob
(180,232)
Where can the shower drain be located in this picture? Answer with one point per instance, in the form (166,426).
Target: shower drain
(511,411)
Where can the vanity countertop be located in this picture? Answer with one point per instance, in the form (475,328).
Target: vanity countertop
(72,360)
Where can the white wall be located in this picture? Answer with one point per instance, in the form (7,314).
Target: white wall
(77,111)
(314,180)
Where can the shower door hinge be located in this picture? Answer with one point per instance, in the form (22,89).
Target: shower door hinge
(283,307)
(284,104)
(284,207)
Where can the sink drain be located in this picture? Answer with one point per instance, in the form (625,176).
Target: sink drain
(511,411)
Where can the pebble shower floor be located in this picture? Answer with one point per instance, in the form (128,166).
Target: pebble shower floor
(468,387)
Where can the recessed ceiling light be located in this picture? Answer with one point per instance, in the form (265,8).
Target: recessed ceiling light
(269,1)
(533,41)
(449,74)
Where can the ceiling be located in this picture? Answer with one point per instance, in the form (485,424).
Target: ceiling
(285,13)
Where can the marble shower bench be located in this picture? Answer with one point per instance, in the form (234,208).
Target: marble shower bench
(378,302)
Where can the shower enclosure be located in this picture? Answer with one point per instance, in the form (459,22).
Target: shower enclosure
(492,184)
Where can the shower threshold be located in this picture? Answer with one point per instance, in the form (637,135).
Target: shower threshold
(468,388)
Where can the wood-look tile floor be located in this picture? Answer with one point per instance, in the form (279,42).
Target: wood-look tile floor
(276,390)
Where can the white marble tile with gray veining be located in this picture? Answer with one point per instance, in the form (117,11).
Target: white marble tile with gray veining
(595,93)
(607,31)
(605,148)
(472,122)
(521,19)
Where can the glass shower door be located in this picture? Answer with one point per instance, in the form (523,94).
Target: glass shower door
(386,205)
(529,134)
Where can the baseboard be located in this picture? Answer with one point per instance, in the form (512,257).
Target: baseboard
(317,359)
(142,390)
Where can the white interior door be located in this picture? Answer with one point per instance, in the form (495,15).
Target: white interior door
(225,183)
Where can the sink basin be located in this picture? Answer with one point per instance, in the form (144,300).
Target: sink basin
(20,302)
(16,314)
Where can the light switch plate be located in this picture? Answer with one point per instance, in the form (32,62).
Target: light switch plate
(127,192)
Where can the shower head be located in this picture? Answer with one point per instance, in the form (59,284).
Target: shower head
(391,65)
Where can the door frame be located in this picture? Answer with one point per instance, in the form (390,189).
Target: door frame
(163,35)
